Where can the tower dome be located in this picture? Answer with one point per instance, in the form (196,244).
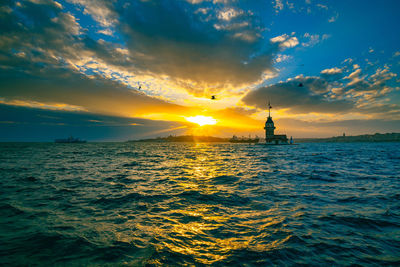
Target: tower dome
(269,121)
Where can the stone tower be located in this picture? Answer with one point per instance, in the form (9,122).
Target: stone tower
(269,125)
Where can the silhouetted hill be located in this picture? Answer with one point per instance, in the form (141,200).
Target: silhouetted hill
(185,138)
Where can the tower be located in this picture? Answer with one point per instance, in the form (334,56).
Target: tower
(269,124)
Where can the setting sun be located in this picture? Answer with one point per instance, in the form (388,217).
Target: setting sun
(202,120)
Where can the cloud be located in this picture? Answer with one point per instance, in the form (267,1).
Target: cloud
(331,92)
(100,11)
(220,48)
(51,58)
(38,33)
(330,71)
(313,39)
(354,76)
(49,106)
(200,50)
(49,85)
(333,18)
(369,88)
(321,6)
(47,71)
(282,57)
(37,46)
(18,123)
(285,41)
(333,74)
(106,32)
(291,42)
(279,39)
(298,95)
(229,13)
(278,6)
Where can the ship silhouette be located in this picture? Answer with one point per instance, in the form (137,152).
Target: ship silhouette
(70,139)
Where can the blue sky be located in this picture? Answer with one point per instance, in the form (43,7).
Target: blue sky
(88,58)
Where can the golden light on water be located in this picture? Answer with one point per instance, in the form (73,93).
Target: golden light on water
(193,230)
(202,120)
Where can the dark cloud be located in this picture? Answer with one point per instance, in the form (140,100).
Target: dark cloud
(376,85)
(175,39)
(44,33)
(381,110)
(50,84)
(198,46)
(37,31)
(30,124)
(35,46)
(331,92)
(299,95)
(332,74)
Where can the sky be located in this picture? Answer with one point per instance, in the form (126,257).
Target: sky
(113,70)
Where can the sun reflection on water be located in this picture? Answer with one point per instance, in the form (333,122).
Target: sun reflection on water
(202,227)
(169,204)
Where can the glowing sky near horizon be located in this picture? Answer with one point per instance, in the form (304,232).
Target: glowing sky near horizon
(328,67)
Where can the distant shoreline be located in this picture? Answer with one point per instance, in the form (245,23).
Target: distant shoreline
(184,138)
(370,138)
(365,138)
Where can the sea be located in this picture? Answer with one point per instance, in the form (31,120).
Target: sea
(188,204)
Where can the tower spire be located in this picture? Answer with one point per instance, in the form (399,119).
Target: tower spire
(269,108)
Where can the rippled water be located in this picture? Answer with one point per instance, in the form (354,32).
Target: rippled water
(185,204)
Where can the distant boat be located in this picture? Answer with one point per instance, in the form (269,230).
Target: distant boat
(235,139)
(70,139)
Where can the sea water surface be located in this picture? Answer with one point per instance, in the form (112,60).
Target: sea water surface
(168,204)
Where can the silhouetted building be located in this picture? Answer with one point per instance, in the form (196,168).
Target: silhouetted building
(270,137)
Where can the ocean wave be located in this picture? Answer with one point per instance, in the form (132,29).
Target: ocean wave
(206,204)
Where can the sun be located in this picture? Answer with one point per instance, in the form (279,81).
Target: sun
(202,120)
